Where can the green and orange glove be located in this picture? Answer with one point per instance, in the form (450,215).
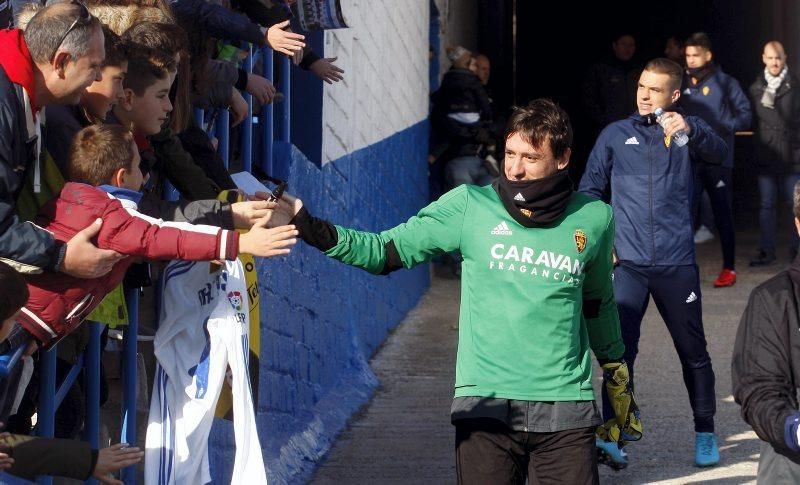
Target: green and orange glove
(626,425)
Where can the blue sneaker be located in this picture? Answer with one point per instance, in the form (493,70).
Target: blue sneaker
(706,452)
(610,454)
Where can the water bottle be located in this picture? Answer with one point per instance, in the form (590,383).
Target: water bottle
(679,137)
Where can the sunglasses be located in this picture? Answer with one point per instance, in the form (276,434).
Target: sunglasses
(84,18)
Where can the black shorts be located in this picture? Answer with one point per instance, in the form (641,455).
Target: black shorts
(489,452)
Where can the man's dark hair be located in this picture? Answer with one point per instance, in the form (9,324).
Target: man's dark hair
(146,67)
(43,32)
(116,48)
(171,38)
(699,39)
(98,151)
(13,292)
(541,120)
(662,65)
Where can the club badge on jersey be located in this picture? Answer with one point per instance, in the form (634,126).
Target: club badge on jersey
(580,240)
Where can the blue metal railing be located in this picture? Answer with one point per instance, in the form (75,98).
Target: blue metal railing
(49,396)
(9,361)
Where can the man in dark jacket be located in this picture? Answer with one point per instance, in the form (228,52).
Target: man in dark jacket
(37,69)
(716,97)
(610,87)
(776,102)
(766,361)
(650,178)
(460,117)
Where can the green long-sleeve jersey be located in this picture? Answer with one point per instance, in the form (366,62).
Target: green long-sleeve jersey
(533,300)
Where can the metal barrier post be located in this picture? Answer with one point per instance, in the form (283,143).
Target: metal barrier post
(247,127)
(68,382)
(266,120)
(10,360)
(129,337)
(286,106)
(91,360)
(45,417)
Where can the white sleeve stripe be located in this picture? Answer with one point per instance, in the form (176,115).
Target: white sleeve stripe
(39,321)
(183,226)
(223,243)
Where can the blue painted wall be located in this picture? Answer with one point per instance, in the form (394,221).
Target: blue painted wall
(322,320)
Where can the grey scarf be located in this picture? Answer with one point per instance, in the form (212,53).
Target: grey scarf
(773,83)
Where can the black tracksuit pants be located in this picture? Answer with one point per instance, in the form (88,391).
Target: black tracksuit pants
(676,293)
(717,181)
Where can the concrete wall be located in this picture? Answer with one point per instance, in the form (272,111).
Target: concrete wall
(322,320)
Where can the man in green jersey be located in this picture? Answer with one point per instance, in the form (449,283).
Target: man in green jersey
(536,296)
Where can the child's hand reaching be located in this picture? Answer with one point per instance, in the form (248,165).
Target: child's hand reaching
(261,241)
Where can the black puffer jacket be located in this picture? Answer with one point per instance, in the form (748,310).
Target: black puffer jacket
(461,92)
(777,141)
(766,358)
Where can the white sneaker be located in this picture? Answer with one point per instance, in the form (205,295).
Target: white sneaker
(703,235)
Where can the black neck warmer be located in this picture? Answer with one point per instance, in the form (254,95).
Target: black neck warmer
(535,203)
(701,73)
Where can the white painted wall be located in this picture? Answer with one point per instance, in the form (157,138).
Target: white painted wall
(385,57)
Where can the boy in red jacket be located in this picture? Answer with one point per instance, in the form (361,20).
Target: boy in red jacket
(104,168)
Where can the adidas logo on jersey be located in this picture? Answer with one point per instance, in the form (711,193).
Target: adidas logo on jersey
(501,229)
(632,141)
(519,197)
(692,297)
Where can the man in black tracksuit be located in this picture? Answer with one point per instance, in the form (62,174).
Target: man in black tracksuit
(718,99)
(764,370)
(650,178)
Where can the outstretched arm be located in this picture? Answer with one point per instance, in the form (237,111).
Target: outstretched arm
(436,229)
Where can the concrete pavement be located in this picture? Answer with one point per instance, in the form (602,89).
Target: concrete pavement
(404,434)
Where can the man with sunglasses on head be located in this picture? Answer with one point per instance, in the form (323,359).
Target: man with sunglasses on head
(53,61)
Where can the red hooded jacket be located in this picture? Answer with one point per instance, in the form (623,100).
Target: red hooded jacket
(58,303)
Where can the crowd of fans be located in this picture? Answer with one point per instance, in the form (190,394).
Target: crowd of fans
(97,114)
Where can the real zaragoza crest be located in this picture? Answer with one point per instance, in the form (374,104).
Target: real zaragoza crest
(580,240)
